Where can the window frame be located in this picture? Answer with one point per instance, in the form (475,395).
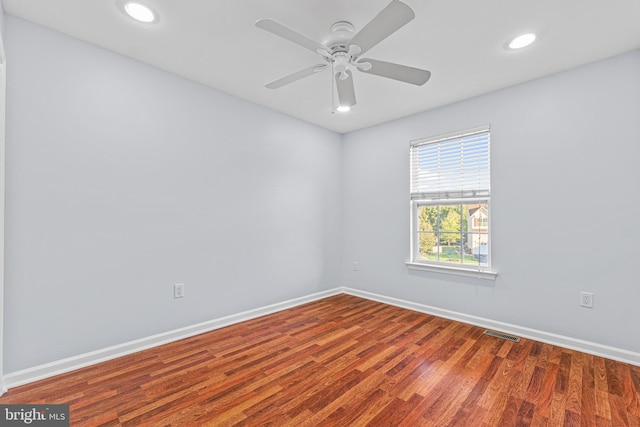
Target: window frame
(469,270)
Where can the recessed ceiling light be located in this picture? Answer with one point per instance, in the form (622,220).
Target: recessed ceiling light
(343,108)
(522,41)
(139,12)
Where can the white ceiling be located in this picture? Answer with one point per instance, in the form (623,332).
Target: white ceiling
(461,42)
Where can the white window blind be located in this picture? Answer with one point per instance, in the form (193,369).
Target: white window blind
(451,166)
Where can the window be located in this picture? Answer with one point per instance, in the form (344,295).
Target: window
(450,199)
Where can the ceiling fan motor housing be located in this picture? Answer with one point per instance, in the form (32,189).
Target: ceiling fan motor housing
(341,63)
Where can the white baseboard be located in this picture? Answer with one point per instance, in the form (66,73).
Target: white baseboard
(47,370)
(57,367)
(596,349)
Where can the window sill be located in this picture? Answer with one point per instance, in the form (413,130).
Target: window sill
(458,271)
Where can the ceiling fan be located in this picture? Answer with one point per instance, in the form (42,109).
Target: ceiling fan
(342,51)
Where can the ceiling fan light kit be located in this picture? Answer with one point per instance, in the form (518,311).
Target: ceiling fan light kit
(343,48)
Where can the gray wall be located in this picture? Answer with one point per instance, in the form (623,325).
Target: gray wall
(123,180)
(565,154)
(2,129)
(1,20)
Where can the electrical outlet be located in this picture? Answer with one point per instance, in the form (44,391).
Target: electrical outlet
(586,299)
(178,290)
(355,265)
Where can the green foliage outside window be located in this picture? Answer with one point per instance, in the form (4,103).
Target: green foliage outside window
(443,233)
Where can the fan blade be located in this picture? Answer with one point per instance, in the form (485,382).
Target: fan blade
(297,76)
(402,73)
(388,21)
(346,91)
(287,33)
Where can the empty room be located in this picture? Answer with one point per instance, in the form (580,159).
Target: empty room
(319,213)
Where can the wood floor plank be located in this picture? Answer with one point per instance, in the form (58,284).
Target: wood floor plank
(347,361)
(511,410)
(574,390)
(588,398)
(556,410)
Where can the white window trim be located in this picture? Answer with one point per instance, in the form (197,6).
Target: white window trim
(453,269)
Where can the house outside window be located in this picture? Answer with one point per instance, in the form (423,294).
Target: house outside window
(450,200)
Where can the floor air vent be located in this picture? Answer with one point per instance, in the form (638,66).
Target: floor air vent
(501,335)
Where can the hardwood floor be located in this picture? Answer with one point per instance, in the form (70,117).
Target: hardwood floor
(346,361)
